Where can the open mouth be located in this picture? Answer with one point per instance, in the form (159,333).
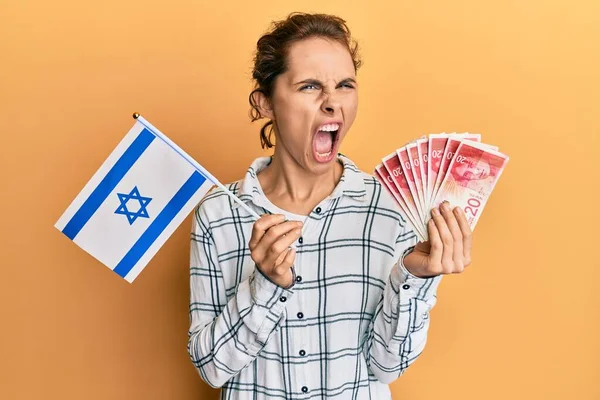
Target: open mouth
(325,142)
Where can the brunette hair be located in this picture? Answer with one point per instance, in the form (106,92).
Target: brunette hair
(272,51)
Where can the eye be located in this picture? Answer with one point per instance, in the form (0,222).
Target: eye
(309,86)
(348,85)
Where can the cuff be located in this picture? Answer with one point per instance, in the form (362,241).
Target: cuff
(265,293)
(412,286)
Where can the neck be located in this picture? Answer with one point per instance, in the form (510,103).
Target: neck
(293,188)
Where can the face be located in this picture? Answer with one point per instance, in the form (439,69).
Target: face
(314,103)
(472,172)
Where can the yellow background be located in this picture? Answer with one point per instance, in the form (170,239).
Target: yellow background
(522,323)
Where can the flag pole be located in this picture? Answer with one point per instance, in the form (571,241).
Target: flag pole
(202,170)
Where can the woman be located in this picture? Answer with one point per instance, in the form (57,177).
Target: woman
(327,295)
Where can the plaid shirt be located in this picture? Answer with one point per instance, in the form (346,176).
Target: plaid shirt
(352,322)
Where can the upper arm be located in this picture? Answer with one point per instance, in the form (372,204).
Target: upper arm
(207,291)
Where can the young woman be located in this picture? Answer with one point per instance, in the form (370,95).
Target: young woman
(328,294)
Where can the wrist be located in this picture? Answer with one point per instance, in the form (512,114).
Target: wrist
(285,282)
(265,292)
(411,264)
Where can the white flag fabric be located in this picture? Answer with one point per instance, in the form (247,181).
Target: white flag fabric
(135,201)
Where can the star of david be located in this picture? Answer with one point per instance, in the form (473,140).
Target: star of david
(133,215)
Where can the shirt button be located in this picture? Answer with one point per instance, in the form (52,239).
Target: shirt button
(298,278)
(283,299)
(302,353)
(300,240)
(405,287)
(300,315)
(304,389)
(318,210)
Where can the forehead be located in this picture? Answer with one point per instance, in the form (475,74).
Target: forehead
(319,58)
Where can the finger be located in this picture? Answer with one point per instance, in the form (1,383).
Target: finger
(436,250)
(261,225)
(280,246)
(274,233)
(454,228)
(281,257)
(263,249)
(467,234)
(287,262)
(447,240)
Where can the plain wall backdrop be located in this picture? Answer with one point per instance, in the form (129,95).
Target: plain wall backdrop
(523,322)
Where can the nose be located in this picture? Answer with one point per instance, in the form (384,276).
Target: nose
(330,104)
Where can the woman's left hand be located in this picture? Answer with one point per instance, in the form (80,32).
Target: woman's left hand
(448,250)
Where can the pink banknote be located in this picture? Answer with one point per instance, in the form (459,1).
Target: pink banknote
(412,152)
(392,165)
(423,152)
(383,176)
(406,166)
(439,168)
(471,177)
(454,167)
(435,149)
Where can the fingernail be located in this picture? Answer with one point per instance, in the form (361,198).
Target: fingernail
(446,206)
(300,223)
(298,231)
(457,210)
(435,211)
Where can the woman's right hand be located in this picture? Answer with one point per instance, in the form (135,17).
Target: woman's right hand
(270,247)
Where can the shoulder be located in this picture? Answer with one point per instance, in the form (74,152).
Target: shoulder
(216,205)
(379,197)
(365,188)
(377,194)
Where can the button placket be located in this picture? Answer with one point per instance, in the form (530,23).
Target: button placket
(299,345)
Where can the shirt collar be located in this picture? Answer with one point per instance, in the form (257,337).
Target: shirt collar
(351,183)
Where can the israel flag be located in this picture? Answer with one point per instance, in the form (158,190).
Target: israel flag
(135,201)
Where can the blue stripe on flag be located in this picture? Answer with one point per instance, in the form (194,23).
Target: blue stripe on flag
(189,188)
(108,183)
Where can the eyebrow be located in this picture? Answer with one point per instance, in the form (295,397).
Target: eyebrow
(318,82)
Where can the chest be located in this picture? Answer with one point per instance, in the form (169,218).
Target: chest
(346,255)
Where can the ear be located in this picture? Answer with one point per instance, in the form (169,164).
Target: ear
(263,104)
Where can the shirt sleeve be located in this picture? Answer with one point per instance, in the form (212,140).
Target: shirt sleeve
(226,334)
(398,331)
